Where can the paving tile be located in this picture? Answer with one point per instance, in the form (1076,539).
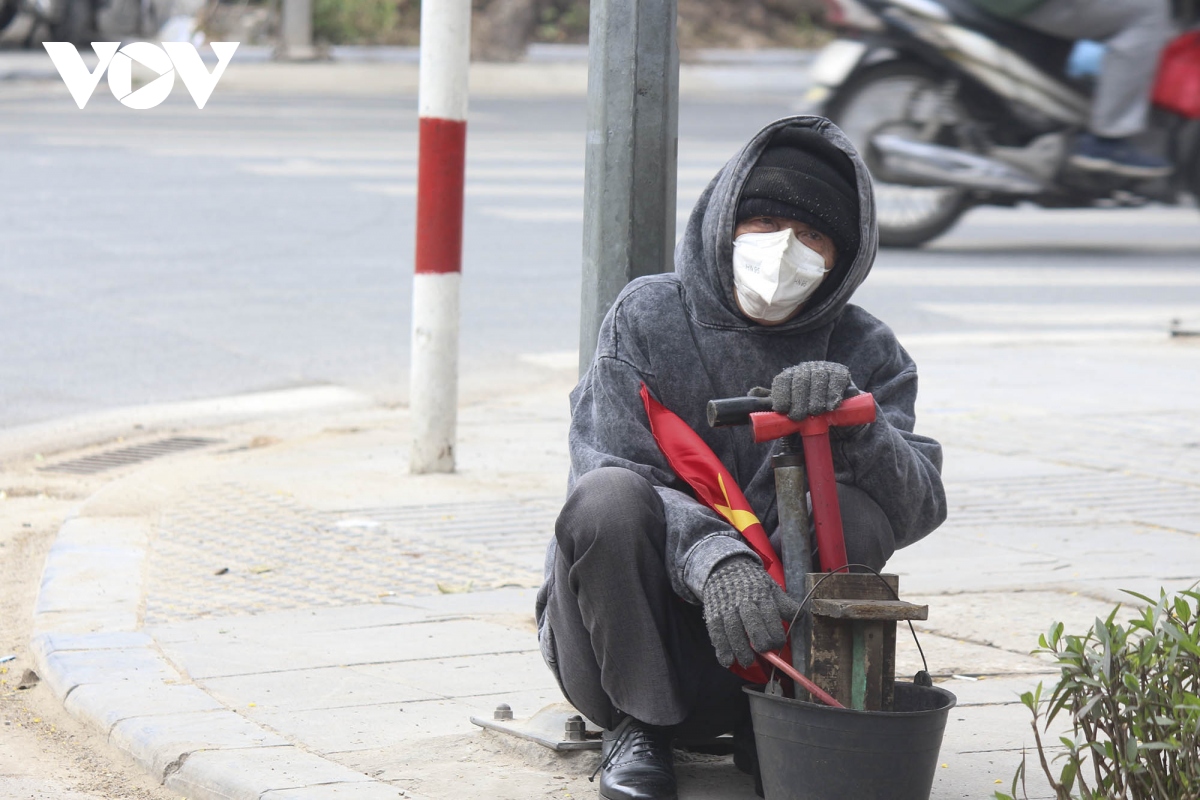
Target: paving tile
(333,730)
(158,741)
(469,675)
(442,639)
(990,691)
(523,703)
(1111,557)
(1008,620)
(975,776)
(982,744)
(497,601)
(213,657)
(712,778)
(284,626)
(964,464)
(246,774)
(341,791)
(947,656)
(307,689)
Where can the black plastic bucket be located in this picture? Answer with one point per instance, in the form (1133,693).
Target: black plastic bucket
(815,752)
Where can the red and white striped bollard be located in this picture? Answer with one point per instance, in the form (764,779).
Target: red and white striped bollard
(442,101)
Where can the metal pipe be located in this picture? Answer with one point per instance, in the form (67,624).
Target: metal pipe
(629,167)
(297,29)
(795,541)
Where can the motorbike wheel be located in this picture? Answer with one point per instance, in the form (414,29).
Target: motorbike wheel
(889,98)
(76,22)
(8,10)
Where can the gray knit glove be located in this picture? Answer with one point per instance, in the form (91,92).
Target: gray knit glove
(813,387)
(744,610)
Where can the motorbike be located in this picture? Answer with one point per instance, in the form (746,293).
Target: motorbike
(953,108)
(79,21)
(55,20)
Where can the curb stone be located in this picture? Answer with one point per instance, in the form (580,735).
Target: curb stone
(105,672)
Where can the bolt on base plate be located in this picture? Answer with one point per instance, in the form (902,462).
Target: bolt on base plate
(558,727)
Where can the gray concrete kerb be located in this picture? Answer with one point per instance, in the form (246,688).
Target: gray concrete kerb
(88,648)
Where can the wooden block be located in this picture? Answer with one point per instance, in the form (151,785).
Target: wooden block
(853,586)
(868,609)
(853,652)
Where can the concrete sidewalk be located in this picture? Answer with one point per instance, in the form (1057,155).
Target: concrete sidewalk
(544,72)
(284,612)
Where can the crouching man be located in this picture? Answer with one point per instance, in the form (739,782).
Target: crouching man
(650,595)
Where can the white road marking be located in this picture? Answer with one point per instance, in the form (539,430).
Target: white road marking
(883,275)
(1105,217)
(556,360)
(1067,314)
(914,341)
(558,214)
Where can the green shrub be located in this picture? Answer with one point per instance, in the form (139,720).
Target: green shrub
(562,21)
(1133,695)
(356,21)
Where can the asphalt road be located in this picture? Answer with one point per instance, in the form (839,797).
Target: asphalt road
(267,242)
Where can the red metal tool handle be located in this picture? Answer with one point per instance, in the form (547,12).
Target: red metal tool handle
(818,462)
(795,674)
(857,410)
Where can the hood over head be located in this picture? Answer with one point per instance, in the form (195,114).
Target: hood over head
(804,165)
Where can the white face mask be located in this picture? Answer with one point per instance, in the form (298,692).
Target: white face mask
(773,273)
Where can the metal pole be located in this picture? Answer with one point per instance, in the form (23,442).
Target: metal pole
(632,141)
(794,540)
(442,99)
(297,30)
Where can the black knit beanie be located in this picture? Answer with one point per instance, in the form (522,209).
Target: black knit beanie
(802,176)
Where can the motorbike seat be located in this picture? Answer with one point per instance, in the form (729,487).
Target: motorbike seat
(1049,53)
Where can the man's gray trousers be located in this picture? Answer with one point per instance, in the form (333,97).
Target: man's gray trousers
(1134,32)
(617,636)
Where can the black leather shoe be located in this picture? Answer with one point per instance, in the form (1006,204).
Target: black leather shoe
(637,763)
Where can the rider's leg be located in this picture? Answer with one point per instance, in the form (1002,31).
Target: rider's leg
(1134,33)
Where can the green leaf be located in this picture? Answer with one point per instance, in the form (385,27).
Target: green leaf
(1067,777)
(1088,706)
(1183,610)
(1141,597)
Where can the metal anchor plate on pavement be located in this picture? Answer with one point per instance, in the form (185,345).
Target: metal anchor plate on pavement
(558,726)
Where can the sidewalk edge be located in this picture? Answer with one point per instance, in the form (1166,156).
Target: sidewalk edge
(88,648)
(92,428)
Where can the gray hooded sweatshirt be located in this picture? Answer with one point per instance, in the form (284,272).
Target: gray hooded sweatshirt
(683,336)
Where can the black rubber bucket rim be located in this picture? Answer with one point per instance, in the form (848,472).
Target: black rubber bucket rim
(758,691)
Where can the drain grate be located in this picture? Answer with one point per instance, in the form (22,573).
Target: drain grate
(111,459)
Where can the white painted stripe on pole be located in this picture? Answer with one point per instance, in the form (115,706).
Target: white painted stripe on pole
(445,58)
(434,377)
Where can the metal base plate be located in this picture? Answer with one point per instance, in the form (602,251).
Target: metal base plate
(547,727)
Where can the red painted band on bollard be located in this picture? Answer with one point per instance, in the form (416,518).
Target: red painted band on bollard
(441,166)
